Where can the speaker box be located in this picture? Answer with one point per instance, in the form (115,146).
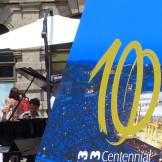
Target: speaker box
(26,147)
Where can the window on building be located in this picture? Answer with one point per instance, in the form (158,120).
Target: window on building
(7,66)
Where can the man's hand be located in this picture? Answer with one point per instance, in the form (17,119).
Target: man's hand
(26,116)
(5,110)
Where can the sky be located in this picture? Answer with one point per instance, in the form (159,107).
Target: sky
(103,22)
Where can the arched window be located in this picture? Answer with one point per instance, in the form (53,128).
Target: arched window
(3,29)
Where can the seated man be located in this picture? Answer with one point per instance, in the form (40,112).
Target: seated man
(33,110)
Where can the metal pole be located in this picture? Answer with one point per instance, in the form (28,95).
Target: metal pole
(47,58)
(78,6)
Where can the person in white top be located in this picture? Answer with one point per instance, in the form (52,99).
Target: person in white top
(33,110)
(52,100)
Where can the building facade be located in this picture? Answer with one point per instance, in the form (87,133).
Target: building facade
(17,13)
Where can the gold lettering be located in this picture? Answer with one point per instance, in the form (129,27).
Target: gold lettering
(107,60)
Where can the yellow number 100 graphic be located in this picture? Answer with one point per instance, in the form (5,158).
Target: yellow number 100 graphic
(107,60)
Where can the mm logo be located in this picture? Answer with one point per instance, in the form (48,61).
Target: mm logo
(107,61)
(84,155)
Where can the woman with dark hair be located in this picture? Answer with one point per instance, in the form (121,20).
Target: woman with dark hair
(14,94)
(10,104)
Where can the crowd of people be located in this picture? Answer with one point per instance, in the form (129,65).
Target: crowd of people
(17,106)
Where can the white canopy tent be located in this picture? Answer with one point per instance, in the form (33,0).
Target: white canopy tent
(60,30)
